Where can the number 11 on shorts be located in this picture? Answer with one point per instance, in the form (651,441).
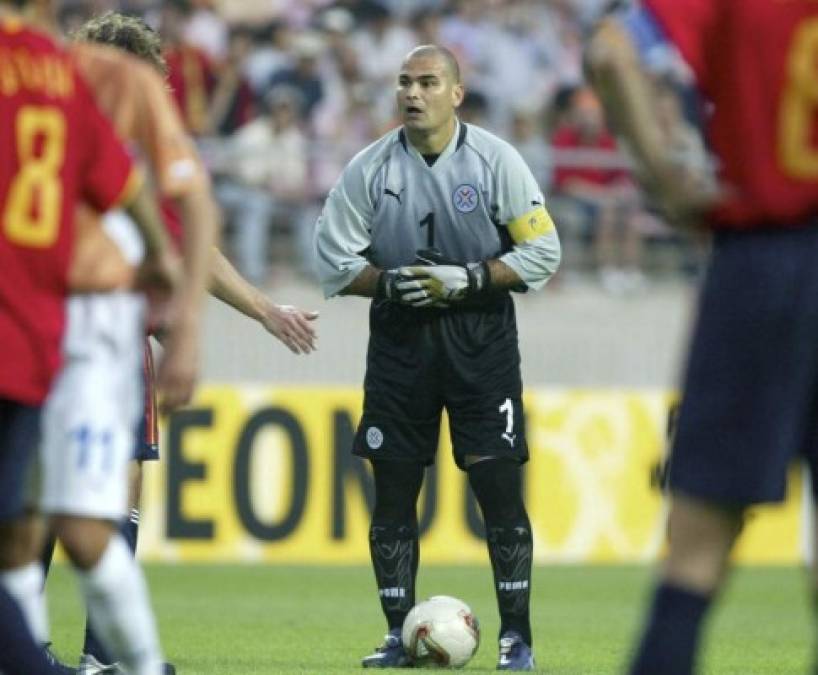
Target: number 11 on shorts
(508,409)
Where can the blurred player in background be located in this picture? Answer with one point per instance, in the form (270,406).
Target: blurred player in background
(150,121)
(749,405)
(55,147)
(91,410)
(437,221)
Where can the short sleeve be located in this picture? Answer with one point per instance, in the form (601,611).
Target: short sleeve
(521,208)
(518,192)
(343,231)
(108,175)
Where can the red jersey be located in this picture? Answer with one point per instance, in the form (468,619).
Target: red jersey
(55,149)
(757,62)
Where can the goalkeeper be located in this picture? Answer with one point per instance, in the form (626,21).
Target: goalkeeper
(437,221)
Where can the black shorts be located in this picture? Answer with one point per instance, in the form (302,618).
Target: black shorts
(750,395)
(422,361)
(19,439)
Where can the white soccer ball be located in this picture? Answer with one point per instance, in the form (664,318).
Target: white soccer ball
(441,632)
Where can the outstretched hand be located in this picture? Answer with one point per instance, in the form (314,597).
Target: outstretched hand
(292,326)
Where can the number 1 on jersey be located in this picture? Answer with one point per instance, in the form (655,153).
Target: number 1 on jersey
(429,223)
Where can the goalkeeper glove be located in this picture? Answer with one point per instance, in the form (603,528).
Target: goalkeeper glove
(394,286)
(440,281)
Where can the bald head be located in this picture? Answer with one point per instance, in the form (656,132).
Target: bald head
(436,51)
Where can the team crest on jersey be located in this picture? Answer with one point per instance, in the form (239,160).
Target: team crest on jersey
(465,198)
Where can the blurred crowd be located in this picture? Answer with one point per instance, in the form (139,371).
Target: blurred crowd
(282,93)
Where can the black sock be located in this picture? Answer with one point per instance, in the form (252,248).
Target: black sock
(671,636)
(510,551)
(20,654)
(497,485)
(393,537)
(394,553)
(129,529)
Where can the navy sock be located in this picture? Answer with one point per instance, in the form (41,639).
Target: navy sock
(19,652)
(670,640)
(129,529)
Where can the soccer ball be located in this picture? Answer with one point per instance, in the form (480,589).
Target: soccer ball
(441,632)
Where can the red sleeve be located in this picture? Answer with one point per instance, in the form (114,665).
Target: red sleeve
(692,25)
(108,176)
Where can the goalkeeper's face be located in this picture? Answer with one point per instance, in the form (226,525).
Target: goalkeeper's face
(427,93)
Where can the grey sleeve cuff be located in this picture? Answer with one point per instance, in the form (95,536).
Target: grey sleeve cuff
(535,262)
(337,280)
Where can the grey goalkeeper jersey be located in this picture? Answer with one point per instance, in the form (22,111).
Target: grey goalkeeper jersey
(477,201)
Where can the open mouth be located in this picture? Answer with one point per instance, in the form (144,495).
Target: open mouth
(413,110)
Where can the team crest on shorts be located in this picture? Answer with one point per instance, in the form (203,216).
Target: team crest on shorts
(374,438)
(465,198)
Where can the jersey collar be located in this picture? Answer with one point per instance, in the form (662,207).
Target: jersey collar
(458,138)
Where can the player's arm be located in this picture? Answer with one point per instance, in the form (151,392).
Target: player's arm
(617,74)
(342,237)
(365,284)
(141,205)
(289,324)
(201,230)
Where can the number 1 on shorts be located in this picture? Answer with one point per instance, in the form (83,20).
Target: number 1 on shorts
(508,409)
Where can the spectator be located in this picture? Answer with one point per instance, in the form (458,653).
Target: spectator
(527,136)
(271,53)
(381,45)
(592,178)
(304,75)
(232,101)
(473,109)
(207,31)
(426,23)
(190,73)
(336,24)
(266,178)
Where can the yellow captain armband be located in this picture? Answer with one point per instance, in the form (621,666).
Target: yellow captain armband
(530,225)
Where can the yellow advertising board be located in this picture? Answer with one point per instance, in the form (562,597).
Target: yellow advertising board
(265,474)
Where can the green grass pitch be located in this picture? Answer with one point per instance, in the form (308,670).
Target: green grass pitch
(254,620)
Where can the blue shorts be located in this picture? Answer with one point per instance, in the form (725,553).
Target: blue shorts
(751,388)
(19,438)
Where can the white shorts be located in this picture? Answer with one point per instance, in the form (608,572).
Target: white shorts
(90,416)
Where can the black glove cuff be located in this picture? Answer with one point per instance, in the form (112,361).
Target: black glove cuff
(479,277)
(385,290)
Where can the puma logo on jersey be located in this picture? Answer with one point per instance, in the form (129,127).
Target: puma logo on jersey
(396,195)
(510,438)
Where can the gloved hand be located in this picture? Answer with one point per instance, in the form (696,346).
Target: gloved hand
(394,286)
(435,281)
